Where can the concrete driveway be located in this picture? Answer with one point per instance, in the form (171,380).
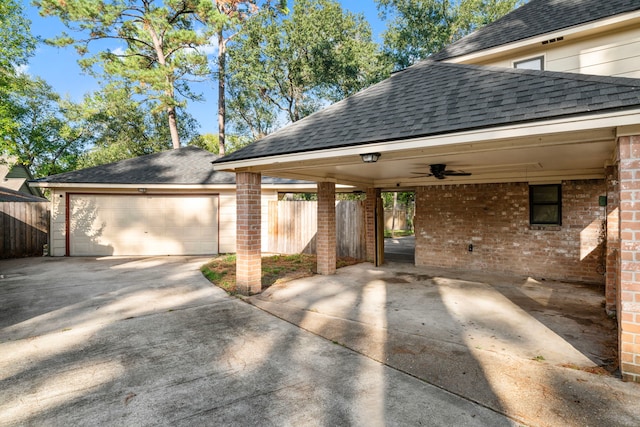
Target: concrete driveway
(531,349)
(117,341)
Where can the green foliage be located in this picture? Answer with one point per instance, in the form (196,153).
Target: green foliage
(419,28)
(225,18)
(16,41)
(358,196)
(33,129)
(294,65)
(208,141)
(159,54)
(42,138)
(118,127)
(16,46)
(405,198)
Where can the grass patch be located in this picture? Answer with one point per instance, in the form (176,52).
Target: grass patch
(221,271)
(597,370)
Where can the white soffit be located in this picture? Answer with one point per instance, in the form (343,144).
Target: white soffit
(573,130)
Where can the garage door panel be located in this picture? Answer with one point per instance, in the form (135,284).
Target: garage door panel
(143,225)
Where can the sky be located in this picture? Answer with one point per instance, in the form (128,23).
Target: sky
(59,66)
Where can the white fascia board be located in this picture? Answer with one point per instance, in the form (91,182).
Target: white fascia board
(590,27)
(510,132)
(166,187)
(131,186)
(290,187)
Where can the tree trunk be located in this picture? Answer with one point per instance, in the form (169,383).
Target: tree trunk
(173,127)
(171,110)
(222,57)
(394,214)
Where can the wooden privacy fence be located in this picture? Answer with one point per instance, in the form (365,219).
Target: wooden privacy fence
(23,228)
(293,227)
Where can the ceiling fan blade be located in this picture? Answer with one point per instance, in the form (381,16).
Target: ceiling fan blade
(439,171)
(457,173)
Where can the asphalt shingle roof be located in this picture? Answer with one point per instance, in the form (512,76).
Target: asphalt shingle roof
(432,98)
(536,18)
(184,166)
(9,195)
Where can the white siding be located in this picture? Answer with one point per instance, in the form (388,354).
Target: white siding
(612,54)
(57,239)
(227,226)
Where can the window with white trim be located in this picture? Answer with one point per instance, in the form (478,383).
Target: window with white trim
(536,63)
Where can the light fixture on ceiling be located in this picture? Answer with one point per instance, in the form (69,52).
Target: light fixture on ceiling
(370,157)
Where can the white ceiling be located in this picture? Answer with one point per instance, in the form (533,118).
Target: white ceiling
(548,158)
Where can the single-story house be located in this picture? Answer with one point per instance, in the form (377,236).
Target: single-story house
(15,176)
(169,203)
(521,142)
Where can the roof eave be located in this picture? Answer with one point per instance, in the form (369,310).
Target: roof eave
(574,123)
(50,184)
(166,187)
(607,24)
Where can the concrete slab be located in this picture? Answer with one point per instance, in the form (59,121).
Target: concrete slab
(118,341)
(519,346)
(400,249)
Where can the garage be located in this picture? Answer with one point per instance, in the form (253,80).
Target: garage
(167,203)
(108,224)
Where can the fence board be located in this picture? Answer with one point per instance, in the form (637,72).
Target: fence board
(24,228)
(293,227)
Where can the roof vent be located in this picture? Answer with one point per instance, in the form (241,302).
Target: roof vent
(557,39)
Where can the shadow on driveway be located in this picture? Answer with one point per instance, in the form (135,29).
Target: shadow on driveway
(400,249)
(149,341)
(518,346)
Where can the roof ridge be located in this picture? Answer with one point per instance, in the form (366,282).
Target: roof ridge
(533,19)
(136,159)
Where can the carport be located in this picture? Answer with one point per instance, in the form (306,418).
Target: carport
(524,347)
(505,131)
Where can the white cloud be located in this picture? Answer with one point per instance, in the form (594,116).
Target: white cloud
(118,51)
(22,69)
(211,47)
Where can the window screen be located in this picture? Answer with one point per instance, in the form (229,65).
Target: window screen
(536,63)
(545,205)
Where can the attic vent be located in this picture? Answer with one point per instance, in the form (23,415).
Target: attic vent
(557,39)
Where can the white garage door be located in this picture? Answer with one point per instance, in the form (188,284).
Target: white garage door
(142,225)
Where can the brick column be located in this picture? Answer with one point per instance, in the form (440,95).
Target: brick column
(326,237)
(248,234)
(370,222)
(612,239)
(628,292)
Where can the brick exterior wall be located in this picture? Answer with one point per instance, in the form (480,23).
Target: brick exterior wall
(494,218)
(629,275)
(248,233)
(326,235)
(370,222)
(613,239)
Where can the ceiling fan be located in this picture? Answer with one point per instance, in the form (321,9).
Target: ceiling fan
(439,171)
